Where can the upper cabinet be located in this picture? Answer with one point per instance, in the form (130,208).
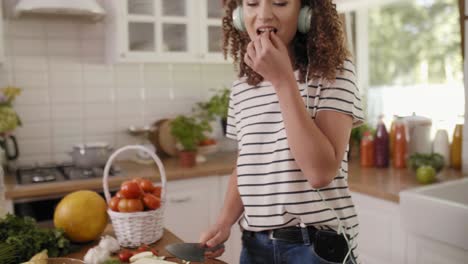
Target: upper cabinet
(164,31)
(2,50)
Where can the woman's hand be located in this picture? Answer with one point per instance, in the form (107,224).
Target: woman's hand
(269,57)
(214,236)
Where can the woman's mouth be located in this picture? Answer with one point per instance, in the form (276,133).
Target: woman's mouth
(262,30)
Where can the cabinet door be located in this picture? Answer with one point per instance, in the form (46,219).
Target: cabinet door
(190,207)
(422,250)
(233,245)
(211,34)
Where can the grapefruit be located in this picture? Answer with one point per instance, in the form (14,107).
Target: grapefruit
(82,215)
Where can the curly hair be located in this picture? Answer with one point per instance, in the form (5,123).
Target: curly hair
(325,43)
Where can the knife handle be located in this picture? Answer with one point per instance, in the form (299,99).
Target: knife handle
(211,249)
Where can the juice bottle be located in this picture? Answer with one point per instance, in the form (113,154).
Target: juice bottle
(367,150)
(381,145)
(400,148)
(391,137)
(455,147)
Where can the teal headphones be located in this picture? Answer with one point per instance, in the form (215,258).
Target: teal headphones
(303,21)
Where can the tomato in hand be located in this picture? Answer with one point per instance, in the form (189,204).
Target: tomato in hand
(146,185)
(130,190)
(157,191)
(114,203)
(125,255)
(151,202)
(130,205)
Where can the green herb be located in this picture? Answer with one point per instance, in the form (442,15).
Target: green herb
(217,105)
(25,239)
(189,131)
(434,160)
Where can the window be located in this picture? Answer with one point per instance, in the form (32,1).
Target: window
(413,60)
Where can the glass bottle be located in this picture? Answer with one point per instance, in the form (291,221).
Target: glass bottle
(367,150)
(401,145)
(391,138)
(381,145)
(441,145)
(456,147)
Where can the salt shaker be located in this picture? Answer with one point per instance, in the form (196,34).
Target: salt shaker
(441,145)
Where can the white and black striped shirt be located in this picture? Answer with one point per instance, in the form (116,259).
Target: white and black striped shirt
(272,187)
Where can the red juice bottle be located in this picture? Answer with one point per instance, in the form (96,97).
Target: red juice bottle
(381,145)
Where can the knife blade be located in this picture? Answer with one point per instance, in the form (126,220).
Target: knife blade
(191,251)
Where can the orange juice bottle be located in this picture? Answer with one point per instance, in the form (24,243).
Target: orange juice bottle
(367,150)
(400,146)
(456,147)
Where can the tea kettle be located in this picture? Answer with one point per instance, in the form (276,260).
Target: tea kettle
(10,146)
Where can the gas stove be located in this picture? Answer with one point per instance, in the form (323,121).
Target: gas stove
(59,172)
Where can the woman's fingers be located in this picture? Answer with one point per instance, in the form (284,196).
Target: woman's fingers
(276,41)
(248,60)
(214,254)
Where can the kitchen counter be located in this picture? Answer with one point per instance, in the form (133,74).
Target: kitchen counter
(167,239)
(380,183)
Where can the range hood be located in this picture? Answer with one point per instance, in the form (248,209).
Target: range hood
(89,9)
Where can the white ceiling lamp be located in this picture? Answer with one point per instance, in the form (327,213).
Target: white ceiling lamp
(82,8)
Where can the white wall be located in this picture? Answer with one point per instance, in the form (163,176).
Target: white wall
(71,95)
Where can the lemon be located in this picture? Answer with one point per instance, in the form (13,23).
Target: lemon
(426,174)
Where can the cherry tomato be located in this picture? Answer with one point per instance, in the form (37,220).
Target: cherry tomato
(114,203)
(119,194)
(155,252)
(125,255)
(146,185)
(157,191)
(151,202)
(130,205)
(130,190)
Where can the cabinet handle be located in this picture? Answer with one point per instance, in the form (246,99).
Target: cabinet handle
(180,200)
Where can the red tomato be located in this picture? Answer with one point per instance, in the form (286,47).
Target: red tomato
(146,185)
(125,255)
(137,179)
(157,191)
(130,190)
(155,252)
(119,195)
(143,248)
(151,202)
(130,205)
(114,203)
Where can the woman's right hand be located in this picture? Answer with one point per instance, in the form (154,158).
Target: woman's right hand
(214,236)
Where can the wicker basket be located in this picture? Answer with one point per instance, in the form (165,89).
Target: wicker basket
(134,229)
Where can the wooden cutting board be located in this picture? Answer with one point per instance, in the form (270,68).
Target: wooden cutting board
(162,138)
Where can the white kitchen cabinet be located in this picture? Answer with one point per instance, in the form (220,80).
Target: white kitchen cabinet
(381,239)
(191,206)
(164,31)
(423,250)
(234,244)
(2,49)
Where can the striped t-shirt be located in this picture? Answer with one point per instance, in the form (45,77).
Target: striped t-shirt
(272,187)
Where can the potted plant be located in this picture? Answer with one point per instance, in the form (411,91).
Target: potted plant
(189,132)
(9,121)
(216,106)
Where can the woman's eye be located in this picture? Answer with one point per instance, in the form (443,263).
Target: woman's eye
(252,3)
(280,3)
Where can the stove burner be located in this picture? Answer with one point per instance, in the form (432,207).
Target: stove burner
(59,172)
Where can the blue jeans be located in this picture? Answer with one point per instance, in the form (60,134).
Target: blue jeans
(259,249)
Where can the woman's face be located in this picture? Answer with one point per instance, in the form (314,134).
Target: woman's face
(279,16)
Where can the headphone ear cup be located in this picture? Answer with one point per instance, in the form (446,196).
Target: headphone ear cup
(238,19)
(304,19)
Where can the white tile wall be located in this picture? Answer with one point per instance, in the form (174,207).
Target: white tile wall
(70,95)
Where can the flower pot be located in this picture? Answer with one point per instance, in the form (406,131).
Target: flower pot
(187,159)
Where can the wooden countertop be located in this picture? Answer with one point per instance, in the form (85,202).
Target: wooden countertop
(380,183)
(167,239)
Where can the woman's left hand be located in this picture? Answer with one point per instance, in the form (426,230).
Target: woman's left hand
(269,57)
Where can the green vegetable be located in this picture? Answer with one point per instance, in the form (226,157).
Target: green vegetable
(189,131)
(112,261)
(25,238)
(217,105)
(434,160)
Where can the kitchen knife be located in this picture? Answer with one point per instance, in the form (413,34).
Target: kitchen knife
(191,251)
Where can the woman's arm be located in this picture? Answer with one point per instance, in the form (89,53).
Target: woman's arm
(318,145)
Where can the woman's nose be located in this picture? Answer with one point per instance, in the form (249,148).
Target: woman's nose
(265,11)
